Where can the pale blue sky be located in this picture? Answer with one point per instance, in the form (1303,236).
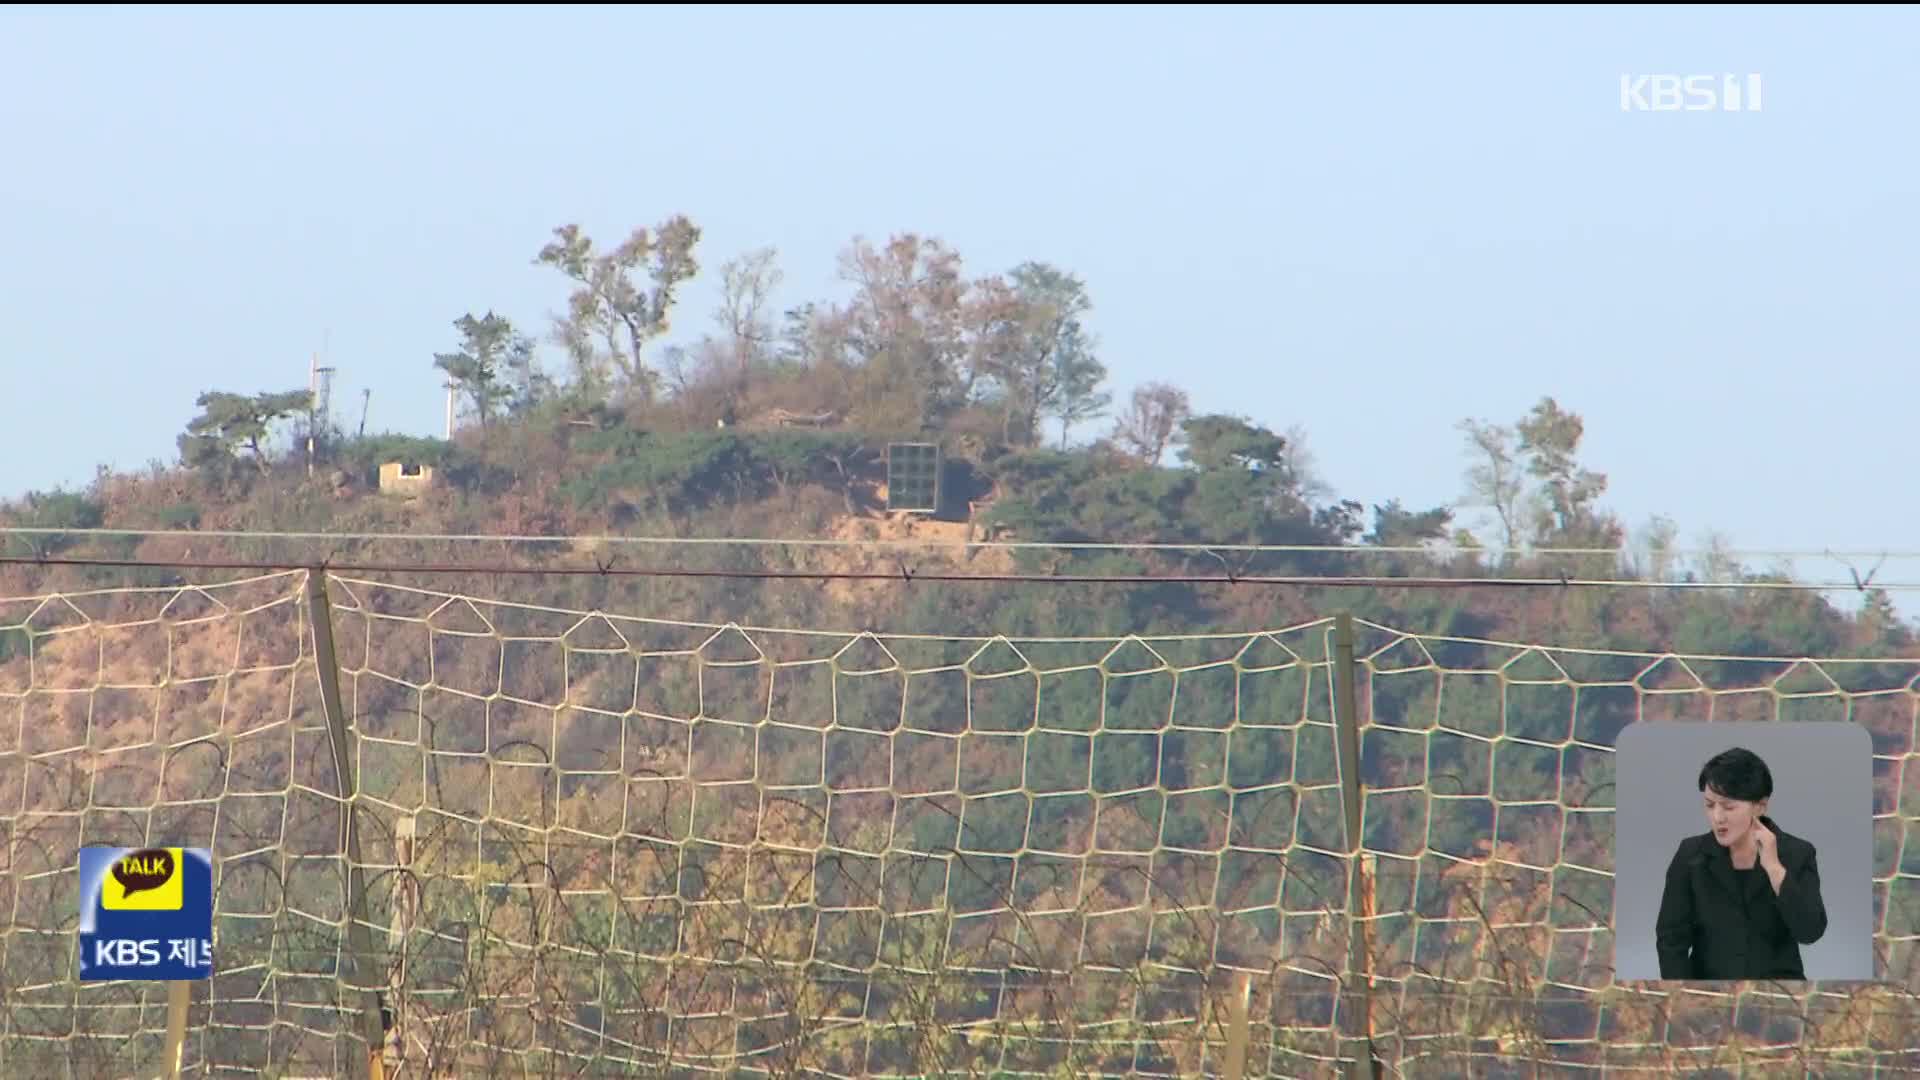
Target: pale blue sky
(1368,222)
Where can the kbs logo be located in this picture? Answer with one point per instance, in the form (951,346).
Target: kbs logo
(1689,93)
(146,913)
(126,953)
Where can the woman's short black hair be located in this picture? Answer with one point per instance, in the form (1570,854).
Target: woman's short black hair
(1737,774)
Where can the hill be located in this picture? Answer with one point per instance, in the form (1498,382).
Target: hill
(616,795)
(777,427)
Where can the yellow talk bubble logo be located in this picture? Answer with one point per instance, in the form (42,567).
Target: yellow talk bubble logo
(145,880)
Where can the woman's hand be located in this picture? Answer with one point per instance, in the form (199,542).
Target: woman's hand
(1763,842)
(1769,853)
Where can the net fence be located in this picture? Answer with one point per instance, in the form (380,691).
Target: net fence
(595,844)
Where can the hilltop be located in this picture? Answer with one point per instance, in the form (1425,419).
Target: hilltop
(778,428)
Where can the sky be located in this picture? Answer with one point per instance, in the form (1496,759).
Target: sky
(1370,223)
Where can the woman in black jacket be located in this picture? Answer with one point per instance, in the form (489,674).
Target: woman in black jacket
(1741,899)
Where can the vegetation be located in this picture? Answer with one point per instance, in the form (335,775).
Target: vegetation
(775,427)
(778,428)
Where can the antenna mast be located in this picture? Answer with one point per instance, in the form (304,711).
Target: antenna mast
(313,397)
(319,406)
(323,400)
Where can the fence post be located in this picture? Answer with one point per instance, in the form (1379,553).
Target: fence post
(1237,995)
(359,952)
(406,909)
(1357,998)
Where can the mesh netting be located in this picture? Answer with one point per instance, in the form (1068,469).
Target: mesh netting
(600,845)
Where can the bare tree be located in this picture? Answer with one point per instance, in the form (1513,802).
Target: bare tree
(1654,556)
(1305,466)
(1495,481)
(1152,419)
(1718,562)
(747,284)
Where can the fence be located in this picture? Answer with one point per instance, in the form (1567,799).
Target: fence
(591,844)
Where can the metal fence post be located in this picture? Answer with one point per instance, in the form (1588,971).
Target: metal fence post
(406,912)
(1236,1063)
(1357,997)
(359,953)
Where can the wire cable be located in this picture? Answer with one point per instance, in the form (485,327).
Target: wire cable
(925,543)
(907,575)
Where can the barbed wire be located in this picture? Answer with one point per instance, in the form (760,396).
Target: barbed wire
(905,574)
(1438,547)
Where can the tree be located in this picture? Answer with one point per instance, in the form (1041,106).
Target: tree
(747,283)
(493,367)
(1054,372)
(1881,620)
(1219,441)
(1341,522)
(57,509)
(1078,396)
(1718,561)
(998,337)
(903,328)
(1655,557)
(919,341)
(230,422)
(800,336)
(1068,375)
(1494,479)
(609,309)
(1550,437)
(1152,420)
(1304,468)
(1542,446)
(1396,526)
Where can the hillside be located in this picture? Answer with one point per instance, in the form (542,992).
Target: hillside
(668,473)
(897,847)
